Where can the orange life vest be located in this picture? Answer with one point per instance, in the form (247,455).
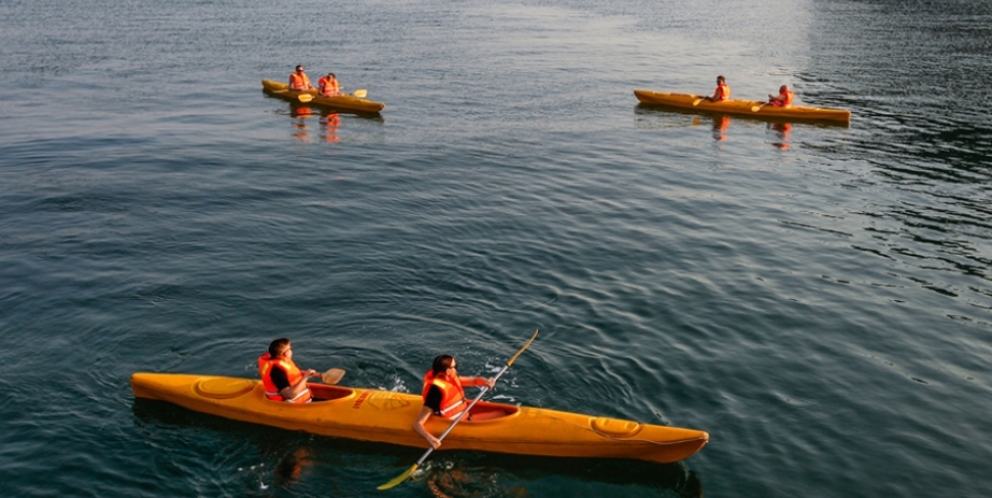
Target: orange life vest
(293,374)
(329,86)
(298,81)
(452,395)
(722,92)
(784,99)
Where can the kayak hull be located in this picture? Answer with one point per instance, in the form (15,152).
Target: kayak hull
(344,102)
(384,416)
(742,107)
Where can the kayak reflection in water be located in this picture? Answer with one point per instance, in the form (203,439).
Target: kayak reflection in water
(444,397)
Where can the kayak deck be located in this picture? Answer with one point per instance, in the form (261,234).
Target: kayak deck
(750,108)
(385,416)
(345,102)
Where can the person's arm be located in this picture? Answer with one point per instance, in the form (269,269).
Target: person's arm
(294,390)
(418,427)
(477,381)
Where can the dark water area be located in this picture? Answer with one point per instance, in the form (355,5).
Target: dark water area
(815,297)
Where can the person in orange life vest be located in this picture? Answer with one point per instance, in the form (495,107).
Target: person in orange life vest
(722,91)
(444,396)
(784,97)
(329,85)
(282,379)
(299,80)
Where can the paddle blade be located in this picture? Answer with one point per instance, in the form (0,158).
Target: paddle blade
(696,102)
(305,97)
(757,107)
(509,363)
(398,479)
(361,93)
(332,376)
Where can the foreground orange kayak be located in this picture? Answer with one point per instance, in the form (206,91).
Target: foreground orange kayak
(385,416)
(752,108)
(344,102)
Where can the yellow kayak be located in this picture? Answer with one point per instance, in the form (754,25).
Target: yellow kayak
(752,108)
(344,102)
(384,416)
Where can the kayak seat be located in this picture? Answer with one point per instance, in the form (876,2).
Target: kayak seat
(323,392)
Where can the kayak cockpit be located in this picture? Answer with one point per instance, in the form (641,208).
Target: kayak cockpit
(485,412)
(322,392)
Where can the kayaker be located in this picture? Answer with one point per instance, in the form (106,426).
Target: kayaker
(299,80)
(282,379)
(444,396)
(329,86)
(722,91)
(784,97)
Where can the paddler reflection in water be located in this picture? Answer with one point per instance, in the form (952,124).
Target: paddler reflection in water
(782,130)
(444,396)
(282,379)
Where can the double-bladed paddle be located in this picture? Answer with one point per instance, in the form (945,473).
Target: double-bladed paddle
(360,93)
(402,477)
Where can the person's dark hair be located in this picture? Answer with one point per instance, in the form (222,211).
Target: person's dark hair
(442,363)
(277,347)
(332,75)
(299,67)
(721,78)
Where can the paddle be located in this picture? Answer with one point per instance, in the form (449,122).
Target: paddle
(758,107)
(697,101)
(402,477)
(332,376)
(360,93)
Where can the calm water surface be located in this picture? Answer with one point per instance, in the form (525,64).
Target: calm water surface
(817,298)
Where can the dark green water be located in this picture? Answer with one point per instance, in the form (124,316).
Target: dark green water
(818,299)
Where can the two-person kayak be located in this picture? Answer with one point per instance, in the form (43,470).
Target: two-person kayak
(342,102)
(384,416)
(750,108)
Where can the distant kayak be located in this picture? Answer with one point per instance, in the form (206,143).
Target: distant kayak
(384,416)
(753,108)
(344,102)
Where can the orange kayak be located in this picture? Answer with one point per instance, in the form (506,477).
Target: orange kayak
(343,102)
(385,416)
(751,108)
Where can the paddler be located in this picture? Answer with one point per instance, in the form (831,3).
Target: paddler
(299,80)
(444,396)
(282,379)
(722,91)
(784,97)
(329,86)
